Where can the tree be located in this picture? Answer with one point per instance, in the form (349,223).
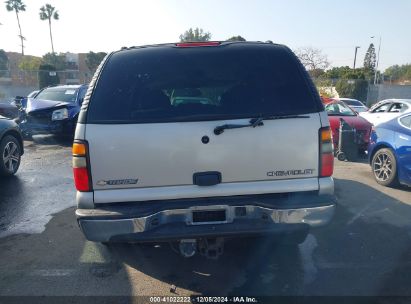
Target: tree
(47,76)
(370,59)
(193,35)
(17,6)
(48,12)
(312,58)
(93,60)
(345,72)
(58,61)
(236,38)
(30,63)
(398,72)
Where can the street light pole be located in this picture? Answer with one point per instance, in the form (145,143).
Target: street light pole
(355,55)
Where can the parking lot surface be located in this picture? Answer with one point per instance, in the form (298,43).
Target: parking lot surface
(364,251)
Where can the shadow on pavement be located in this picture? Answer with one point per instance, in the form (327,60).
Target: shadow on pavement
(46,140)
(10,187)
(364,251)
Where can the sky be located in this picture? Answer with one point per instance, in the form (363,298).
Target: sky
(333,26)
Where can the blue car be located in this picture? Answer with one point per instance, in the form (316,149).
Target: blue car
(52,110)
(390,151)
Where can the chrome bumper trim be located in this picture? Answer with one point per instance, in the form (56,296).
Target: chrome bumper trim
(101,230)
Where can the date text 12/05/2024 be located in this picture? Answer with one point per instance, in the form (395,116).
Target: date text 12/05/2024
(201,299)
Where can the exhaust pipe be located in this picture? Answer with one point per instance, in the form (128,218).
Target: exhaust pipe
(188,248)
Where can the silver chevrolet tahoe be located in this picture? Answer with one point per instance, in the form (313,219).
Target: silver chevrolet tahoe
(197,142)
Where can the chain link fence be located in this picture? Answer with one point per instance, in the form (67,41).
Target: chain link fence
(22,82)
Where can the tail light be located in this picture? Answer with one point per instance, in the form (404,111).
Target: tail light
(326,152)
(82,179)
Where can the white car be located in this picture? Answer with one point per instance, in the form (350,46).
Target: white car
(386,110)
(354,104)
(193,142)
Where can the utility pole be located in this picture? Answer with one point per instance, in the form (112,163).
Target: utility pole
(355,55)
(378,61)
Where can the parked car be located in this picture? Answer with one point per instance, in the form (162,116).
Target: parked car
(390,151)
(228,162)
(337,110)
(386,110)
(8,110)
(354,104)
(52,110)
(11,146)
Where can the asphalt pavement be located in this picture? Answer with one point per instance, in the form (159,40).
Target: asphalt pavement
(364,251)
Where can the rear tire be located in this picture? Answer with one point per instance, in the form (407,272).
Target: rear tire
(384,167)
(10,155)
(341,156)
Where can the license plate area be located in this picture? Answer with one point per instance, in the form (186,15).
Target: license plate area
(207,215)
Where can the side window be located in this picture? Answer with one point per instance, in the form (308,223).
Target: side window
(382,108)
(406,121)
(398,107)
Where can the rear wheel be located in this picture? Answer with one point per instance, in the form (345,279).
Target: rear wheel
(10,155)
(384,167)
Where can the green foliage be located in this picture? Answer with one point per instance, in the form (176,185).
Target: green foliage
(15,5)
(45,79)
(47,12)
(93,60)
(58,61)
(345,72)
(236,38)
(193,35)
(357,89)
(370,58)
(398,72)
(30,63)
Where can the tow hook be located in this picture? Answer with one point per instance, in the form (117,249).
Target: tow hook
(211,248)
(188,247)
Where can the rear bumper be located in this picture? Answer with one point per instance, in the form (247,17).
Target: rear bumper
(240,220)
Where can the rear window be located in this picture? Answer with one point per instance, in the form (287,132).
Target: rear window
(406,121)
(352,102)
(339,109)
(165,84)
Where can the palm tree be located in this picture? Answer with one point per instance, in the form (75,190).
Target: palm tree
(17,6)
(46,13)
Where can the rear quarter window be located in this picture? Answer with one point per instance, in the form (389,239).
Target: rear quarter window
(165,84)
(406,121)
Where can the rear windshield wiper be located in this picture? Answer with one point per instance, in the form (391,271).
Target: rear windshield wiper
(255,122)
